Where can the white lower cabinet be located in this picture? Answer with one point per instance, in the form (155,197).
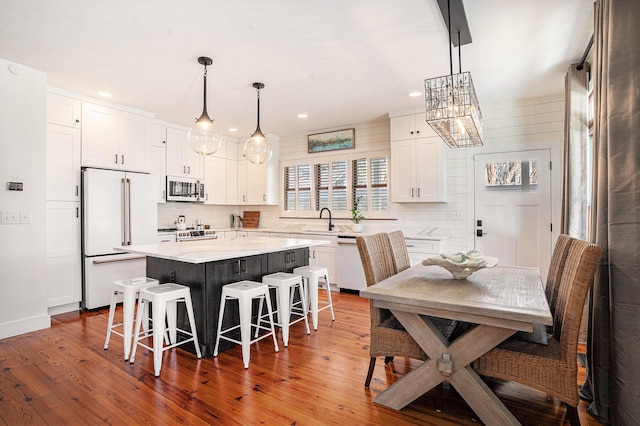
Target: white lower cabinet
(64,264)
(419,250)
(324,256)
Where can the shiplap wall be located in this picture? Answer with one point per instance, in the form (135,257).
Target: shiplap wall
(509,126)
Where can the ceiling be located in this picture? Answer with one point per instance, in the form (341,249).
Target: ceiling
(340,62)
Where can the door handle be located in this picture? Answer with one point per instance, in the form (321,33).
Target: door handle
(412,192)
(479,233)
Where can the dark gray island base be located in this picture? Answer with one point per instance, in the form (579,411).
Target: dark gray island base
(206,280)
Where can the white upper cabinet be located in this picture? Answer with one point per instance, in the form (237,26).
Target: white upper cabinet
(63,163)
(215,180)
(410,127)
(258,183)
(157,136)
(63,110)
(417,163)
(181,159)
(114,139)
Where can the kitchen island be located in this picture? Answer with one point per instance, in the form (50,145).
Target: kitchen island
(206,265)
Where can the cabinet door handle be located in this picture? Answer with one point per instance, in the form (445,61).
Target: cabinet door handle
(293,256)
(189,170)
(237,266)
(122,158)
(77,121)
(116,158)
(76,190)
(163,194)
(264,197)
(418,132)
(286,258)
(244,263)
(206,196)
(418,192)
(244,198)
(314,254)
(412,192)
(184,169)
(77,212)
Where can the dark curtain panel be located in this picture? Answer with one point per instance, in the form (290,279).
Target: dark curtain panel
(613,345)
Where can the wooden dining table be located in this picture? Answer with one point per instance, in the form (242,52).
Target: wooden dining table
(500,301)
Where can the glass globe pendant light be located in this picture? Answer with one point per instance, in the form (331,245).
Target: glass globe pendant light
(202,138)
(257,148)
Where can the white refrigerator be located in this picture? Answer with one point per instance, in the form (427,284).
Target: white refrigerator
(118,209)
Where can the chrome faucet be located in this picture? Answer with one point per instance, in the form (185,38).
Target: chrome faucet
(330,224)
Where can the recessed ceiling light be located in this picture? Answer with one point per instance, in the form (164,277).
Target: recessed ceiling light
(233,129)
(415,94)
(302,115)
(104,94)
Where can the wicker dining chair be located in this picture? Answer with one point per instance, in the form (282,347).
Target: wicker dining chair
(388,337)
(399,249)
(556,267)
(551,368)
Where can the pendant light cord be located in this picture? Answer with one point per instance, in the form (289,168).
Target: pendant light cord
(204,95)
(450,43)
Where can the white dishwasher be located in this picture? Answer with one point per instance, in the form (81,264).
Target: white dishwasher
(349,272)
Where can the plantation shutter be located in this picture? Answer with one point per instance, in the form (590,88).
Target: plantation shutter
(339,185)
(379,189)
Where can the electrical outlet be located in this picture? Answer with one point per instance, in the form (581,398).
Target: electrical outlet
(10,217)
(25,217)
(454,215)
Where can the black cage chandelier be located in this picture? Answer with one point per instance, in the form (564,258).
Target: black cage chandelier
(452,108)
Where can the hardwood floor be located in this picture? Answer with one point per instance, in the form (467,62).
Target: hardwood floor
(62,375)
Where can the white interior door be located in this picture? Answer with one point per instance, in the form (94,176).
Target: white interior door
(513,207)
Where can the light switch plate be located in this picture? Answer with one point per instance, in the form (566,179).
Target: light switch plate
(10,217)
(25,217)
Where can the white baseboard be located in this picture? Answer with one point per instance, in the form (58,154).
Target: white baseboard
(63,309)
(26,325)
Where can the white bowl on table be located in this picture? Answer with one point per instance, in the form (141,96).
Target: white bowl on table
(462,265)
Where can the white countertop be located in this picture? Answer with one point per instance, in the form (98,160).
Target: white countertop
(335,233)
(202,251)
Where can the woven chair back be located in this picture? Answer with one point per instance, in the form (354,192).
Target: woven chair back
(582,262)
(558,261)
(399,250)
(376,256)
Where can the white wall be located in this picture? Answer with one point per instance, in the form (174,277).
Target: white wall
(23,305)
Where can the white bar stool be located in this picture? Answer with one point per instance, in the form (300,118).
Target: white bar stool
(285,285)
(310,274)
(129,289)
(164,299)
(245,292)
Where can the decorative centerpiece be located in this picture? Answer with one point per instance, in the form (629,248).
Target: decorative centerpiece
(462,265)
(356,216)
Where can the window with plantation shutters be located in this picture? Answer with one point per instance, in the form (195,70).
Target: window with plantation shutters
(304,187)
(297,188)
(289,188)
(370,184)
(336,182)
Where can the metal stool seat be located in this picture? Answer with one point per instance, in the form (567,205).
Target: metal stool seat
(285,285)
(311,274)
(245,292)
(164,299)
(129,290)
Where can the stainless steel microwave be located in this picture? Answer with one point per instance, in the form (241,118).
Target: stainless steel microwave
(185,189)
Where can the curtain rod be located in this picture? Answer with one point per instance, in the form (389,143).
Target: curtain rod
(586,52)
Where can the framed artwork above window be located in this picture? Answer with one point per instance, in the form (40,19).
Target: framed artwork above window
(331,141)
